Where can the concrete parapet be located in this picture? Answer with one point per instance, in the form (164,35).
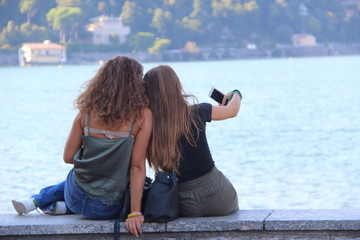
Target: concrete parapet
(243,224)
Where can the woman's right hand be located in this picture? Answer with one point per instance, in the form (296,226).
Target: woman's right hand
(133,224)
(226,98)
(227,111)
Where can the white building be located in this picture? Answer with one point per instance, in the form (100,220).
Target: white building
(104,27)
(41,53)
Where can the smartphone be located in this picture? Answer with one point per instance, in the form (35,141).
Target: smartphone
(216,95)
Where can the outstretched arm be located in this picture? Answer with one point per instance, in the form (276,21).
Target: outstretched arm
(231,110)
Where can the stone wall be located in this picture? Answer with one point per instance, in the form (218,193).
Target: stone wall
(9,59)
(243,224)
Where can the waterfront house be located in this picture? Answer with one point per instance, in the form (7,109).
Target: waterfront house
(108,29)
(41,53)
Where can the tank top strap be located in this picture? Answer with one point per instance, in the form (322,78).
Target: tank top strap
(87,123)
(131,128)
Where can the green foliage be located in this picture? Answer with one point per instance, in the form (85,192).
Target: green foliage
(283,33)
(10,35)
(141,41)
(27,32)
(34,33)
(193,25)
(63,17)
(217,23)
(89,47)
(129,11)
(28,7)
(159,45)
(161,21)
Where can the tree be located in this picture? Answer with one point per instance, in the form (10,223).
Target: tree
(141,41)
(64,19)
(34,33)
(161,21)
(159,45)
(129,11)
(206,22)
(137,16)
(68,3)
(113,7)
(283,33)
(28,7)
(10,35)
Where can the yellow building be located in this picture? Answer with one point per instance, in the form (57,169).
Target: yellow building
(41,53)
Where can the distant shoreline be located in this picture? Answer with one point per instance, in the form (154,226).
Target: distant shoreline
(206,54)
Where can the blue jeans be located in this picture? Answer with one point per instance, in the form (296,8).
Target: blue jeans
(76,200)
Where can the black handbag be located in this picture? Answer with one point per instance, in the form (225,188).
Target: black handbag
(125,208)
(162,201)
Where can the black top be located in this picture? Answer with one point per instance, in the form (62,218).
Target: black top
(196,160)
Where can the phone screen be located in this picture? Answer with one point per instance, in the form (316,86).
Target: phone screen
(216,95)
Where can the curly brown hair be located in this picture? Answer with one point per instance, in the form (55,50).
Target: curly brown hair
(115,93)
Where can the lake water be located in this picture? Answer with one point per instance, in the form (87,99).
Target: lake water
(294,144)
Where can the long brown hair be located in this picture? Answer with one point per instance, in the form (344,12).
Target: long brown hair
(115,93)
(172,117)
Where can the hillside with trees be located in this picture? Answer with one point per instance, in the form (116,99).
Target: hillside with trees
(174,23)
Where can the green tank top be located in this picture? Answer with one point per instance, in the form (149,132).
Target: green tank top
(101,166)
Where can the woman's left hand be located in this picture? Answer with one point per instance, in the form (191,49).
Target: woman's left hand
(133,224)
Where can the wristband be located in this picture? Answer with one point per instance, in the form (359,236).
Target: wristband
(140,213)
(238,92)
(133,214)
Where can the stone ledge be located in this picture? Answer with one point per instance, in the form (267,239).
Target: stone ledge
(254,222)
(314,220)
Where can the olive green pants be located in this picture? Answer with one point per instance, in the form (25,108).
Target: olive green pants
(209,195)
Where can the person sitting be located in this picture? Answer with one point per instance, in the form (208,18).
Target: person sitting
(107,144)
(179,143)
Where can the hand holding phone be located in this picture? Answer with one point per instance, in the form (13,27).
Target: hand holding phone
(217,96)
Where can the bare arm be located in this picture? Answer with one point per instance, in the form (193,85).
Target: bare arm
(138,172)
(73,142)
(231,110)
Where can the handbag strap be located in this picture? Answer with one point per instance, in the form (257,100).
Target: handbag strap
(123,213)
(117,226)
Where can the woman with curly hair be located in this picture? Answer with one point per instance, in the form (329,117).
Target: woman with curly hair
(107,144)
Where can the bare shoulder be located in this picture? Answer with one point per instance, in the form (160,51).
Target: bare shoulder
(80,118)
(145,121)
(147,114)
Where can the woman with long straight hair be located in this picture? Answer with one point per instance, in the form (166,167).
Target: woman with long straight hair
(108,145)
(179,143)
